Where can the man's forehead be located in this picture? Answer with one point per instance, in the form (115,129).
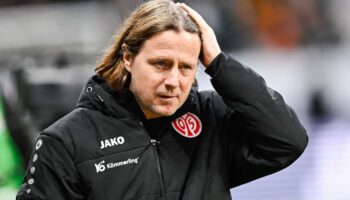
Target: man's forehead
(171,37)
(169,55)
(165,44)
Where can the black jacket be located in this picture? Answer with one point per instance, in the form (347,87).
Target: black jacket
(105,149)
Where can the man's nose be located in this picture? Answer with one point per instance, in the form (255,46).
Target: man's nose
(172,78)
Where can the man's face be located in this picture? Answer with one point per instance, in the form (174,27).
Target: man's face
(163,71)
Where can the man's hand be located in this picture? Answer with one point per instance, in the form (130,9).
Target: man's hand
(210,46)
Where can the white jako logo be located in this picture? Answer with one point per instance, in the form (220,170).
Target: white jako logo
(112,142)
(100,167)
(38,144)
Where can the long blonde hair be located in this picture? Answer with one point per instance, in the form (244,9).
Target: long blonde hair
(148,19)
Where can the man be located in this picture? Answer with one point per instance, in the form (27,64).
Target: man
(141,130)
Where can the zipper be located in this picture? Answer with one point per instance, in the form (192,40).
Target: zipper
(155,144)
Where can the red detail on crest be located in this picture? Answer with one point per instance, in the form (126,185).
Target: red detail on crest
(188,125)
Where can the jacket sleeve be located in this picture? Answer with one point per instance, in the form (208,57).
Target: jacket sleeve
(51,173)
(264,134)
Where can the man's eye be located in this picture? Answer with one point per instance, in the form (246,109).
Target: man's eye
(186,67)
(161,63)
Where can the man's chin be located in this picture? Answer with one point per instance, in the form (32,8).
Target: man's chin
(164,112)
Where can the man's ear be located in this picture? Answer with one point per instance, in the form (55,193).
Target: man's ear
(127,57)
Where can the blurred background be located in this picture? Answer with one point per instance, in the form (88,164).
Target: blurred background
(48,49)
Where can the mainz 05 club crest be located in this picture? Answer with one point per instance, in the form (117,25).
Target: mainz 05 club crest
(188,125)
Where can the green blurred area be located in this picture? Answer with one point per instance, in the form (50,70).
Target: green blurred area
(11,172)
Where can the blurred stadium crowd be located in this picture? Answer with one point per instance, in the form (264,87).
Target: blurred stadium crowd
(48,49)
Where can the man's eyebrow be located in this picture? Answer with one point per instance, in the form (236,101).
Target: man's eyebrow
(166,58)
(159,58)
(188,64)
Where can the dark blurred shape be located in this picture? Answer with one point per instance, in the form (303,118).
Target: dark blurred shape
(38,90)
(318,110)
(62,60)
(20,127)
(46,100)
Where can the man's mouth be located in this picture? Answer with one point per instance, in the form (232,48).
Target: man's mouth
(168,96)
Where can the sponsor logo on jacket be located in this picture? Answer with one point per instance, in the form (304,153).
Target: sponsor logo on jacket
(102,166)
(112,142)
